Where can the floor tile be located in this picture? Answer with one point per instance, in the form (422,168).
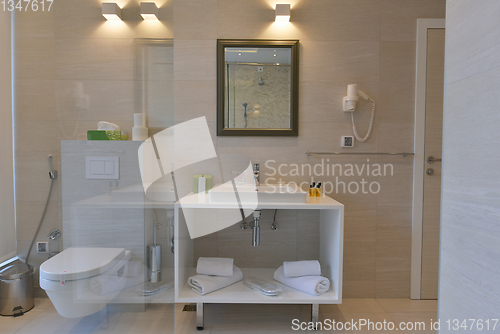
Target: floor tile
(222,318)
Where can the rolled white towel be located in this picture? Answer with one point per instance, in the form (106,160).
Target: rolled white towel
(215,266)
(314,285)
(301,268)
(203,284)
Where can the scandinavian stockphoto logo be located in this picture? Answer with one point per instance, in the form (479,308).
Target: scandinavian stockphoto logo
(336,178)
(169,160)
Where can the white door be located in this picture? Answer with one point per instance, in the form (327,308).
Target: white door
(433,151)
(428,144)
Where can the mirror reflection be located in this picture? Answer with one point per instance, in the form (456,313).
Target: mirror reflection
(257,88)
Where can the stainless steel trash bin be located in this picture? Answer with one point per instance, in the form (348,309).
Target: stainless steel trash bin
(16,289)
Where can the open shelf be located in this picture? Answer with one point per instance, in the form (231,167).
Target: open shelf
(239,293)
(331,244)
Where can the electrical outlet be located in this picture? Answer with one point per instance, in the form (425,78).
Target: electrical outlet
(260,68)
(42,247)
(347,141)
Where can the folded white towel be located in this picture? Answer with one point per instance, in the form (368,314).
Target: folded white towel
(215,266)
(314,285)
(203,284)
(301,268)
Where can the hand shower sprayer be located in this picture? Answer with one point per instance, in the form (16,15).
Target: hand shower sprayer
(52,172)
(53,177)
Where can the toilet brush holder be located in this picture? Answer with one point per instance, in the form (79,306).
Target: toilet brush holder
(154,261)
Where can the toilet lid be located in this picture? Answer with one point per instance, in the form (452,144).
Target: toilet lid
(78,263)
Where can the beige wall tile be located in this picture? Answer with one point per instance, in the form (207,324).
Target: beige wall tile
(396,103)
(358,289)
(395,137)
(360,228)
(33,183)
(34,24)
(84,20)
(29,214)
(337,20)
(243,18)
(399,23)
(247,256)
(108,100)
(307,248)
(34,59)
(35,100)
(195,19)
(205,104)
(359,261)
(35,140)
(195,60)
(325,60)
(397,61)
(94,59)
(393,268)
(392,289)
(260,149)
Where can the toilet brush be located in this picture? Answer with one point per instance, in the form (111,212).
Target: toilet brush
(154,261)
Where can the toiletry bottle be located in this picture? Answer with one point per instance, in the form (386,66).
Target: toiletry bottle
(318,190)
(312,190)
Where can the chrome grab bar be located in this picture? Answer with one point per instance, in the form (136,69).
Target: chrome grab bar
(404,154)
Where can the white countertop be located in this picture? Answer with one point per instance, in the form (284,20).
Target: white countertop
(202,201)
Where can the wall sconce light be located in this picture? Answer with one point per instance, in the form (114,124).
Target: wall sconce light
(149,11)
(111,11)
(282,13)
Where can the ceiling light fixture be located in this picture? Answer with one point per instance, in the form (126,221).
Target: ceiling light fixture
(149,11)
(111,11)
(282,13)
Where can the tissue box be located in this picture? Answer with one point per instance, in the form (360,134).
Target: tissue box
(106,135)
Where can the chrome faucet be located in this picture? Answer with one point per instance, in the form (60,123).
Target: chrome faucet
(256,174)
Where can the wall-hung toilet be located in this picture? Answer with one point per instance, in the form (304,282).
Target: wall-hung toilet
(81,281)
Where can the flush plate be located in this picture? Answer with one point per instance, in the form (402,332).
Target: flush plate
(103,168)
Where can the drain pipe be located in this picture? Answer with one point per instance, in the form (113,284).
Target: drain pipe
(256,228)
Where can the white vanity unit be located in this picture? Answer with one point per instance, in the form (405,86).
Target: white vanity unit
(331,255)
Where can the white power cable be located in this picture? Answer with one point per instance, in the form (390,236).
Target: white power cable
(365,138)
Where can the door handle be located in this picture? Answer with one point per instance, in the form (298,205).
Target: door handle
(431,159)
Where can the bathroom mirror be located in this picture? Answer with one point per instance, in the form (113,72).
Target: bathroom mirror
(257,87)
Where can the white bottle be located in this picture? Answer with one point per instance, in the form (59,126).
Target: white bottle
(139,131)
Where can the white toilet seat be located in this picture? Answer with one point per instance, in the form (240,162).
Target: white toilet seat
(78,263)
(67,278)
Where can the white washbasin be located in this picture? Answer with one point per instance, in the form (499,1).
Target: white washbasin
(269,193)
